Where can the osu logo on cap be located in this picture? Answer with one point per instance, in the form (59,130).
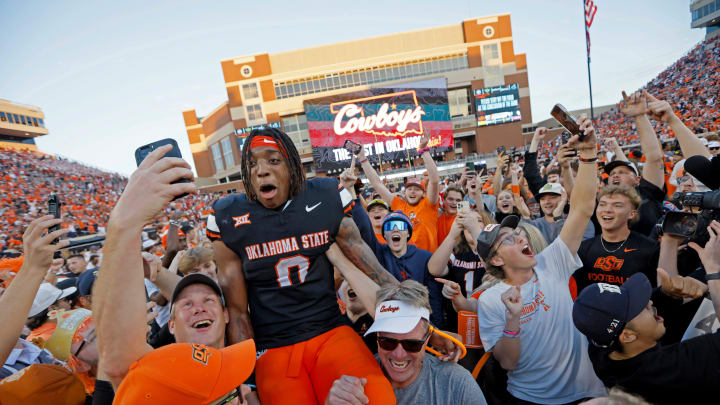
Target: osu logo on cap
(200,353)
(242,220)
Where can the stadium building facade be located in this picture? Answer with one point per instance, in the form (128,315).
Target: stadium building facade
(476,58)
(20,124)
(706,14)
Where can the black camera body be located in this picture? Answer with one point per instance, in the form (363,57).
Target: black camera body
(692,225)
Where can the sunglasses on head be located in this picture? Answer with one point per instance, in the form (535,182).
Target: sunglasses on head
(409,345)
(395,224)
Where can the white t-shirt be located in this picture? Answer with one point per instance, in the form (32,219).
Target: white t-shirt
(162,311)
(553,367)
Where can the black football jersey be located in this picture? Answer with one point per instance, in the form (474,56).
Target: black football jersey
(288,277)
(466,269)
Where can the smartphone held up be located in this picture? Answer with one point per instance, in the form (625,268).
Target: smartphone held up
(567,120)
(142,152)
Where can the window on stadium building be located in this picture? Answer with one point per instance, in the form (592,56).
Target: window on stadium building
(367,76)
(459,102)
(254,112)
(296,128)
(21,119)
(490,54)
(228,152)
(217,157)
(250,91)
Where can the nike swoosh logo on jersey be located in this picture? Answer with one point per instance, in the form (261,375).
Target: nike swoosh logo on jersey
(629,250)
(308,209)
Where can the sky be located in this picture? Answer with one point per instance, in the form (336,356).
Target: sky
(111,76)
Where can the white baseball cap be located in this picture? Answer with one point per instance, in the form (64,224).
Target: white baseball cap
(397,317)
(550,188)
(47,295)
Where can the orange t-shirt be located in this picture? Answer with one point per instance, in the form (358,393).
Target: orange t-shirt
(444,223)
(424,218)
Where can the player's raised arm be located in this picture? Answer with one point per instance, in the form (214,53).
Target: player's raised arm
(232,281)
(354,248)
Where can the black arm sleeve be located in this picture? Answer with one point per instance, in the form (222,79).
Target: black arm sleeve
(531,172)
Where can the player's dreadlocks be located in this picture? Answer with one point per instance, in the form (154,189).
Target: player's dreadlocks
(292,158)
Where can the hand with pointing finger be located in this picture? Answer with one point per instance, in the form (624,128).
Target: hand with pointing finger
(634,105)
(660,110)
(348,178)
(450,290)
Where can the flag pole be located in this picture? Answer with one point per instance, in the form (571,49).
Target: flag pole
(587,47)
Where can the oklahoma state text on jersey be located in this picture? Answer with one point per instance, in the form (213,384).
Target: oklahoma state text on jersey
(288,277)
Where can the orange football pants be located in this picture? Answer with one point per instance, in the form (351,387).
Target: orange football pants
(303,373)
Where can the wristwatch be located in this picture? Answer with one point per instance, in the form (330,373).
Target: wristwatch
(714,276)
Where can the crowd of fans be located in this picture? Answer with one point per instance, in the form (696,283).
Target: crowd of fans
(558,277)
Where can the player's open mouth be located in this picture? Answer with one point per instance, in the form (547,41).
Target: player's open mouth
(395,238)
(351,294)
(268,191)
(204,324)
(377,217)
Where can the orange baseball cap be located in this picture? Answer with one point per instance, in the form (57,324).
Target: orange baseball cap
(42,384)
(187,373)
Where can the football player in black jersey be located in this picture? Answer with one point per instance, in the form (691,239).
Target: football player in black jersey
(270,246)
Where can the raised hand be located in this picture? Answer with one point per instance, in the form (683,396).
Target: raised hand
(564,156)
(512,300)
(589,140)
(348,178)
(424,140)
(634,105)
(660,110)
(541,134)
(710,254)
(38,244)
(150,188)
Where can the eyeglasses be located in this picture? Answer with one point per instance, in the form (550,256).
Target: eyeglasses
(395,224)
(409,345)
(88,339)
(509,240)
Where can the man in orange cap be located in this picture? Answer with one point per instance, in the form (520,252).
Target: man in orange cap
(197,317)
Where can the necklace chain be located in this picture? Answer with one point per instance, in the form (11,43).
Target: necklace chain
(616,249)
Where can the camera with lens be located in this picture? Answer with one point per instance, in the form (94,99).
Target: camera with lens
(693,225)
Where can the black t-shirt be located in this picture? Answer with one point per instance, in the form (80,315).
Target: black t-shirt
(466,269)
(616,261)
(288,277)
(682,373)
(650,210)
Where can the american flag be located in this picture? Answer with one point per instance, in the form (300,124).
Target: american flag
(590,10)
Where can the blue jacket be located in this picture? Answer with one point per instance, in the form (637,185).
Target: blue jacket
(412,265)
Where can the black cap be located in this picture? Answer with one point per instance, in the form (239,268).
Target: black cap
(197,278)
(490,232)
(615,163)
(601,310)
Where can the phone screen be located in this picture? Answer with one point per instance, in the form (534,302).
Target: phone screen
(352,147)
(142,152)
